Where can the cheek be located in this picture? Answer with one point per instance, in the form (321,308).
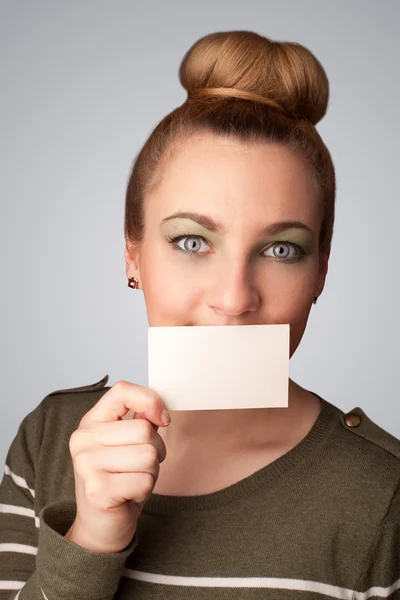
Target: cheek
(292,304)
(297,327)
(299,305)
(290,288)
(168,296)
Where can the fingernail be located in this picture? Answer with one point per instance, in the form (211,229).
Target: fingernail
(165,416)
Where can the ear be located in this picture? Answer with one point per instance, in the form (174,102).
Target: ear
(132,260)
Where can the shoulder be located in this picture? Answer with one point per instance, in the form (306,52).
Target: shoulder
(92,387)
(49,425)
(362,461)
(70,404)
(373,437)
(369,454)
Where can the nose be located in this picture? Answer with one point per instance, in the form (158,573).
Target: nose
(234,293)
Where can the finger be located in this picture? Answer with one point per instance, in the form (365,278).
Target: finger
(121,398)
(119,433)
(116,459)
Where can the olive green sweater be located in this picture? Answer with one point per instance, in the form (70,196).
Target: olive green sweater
(322,521)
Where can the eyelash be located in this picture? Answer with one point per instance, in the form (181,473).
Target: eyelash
(174,240)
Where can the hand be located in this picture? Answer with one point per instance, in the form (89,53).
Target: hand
(116,466)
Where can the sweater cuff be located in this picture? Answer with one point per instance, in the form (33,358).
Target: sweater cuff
(66,570)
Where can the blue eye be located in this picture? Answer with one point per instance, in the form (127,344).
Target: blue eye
(281,245)
(189,248)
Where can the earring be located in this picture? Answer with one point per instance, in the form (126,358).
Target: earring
(133,283)
(315,299)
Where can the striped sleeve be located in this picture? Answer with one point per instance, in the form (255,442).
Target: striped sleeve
(381,576)
(19,526)
(36,561)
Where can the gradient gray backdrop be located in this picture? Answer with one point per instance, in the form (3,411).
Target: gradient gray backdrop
(82,85)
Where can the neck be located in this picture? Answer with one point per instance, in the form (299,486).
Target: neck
(226,431)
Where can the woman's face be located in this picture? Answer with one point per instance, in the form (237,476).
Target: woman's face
(235,271)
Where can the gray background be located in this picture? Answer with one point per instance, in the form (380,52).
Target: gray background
(82,86)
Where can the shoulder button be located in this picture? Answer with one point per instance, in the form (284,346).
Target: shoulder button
(352,420)
(358,422)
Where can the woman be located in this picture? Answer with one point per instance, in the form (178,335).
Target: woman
(229,221)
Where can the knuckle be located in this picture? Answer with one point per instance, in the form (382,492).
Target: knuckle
(151,455)
(94,489)
(146,485)
(74,442)
(153,395)
(85,423)
(83,420)
(121,386)
(147,429)
(77,439)
(80,464)
(157,401)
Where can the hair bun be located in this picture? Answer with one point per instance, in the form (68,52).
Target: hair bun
(285,74)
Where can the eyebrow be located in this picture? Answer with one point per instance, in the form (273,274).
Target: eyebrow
(217,227)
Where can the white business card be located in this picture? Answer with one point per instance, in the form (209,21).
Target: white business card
(220,367)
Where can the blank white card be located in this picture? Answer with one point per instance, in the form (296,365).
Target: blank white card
(220,367)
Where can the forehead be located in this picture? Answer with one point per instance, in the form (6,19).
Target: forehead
(226,178)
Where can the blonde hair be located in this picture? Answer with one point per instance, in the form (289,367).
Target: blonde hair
(245,86)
